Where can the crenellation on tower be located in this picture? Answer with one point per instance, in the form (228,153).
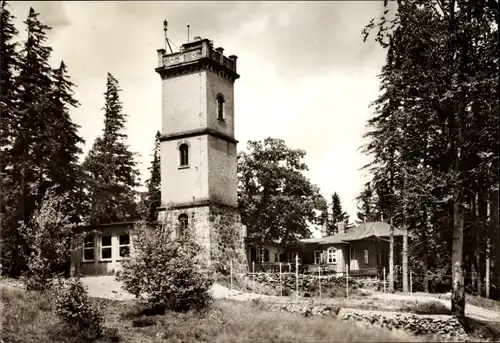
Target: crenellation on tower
(198,54)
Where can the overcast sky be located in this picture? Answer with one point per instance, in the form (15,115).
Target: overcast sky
(306,75)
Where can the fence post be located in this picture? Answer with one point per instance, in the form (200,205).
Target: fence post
(231,273)
(384,279)
(319,280)
(281,285)
(253,276)
(297,275)
(346,280)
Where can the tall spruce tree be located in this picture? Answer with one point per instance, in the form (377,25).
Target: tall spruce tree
(30,130)
(33,143)
(111,169)
(9,64)
(153,197)
(65,172)
(429,137)
(367,204)
(338,214)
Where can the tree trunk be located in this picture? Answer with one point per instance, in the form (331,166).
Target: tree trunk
(405,238)
(487,271)
(482,211)
(425,252)
(405,259)
(458,290)
(391,256)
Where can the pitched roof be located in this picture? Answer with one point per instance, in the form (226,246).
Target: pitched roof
(361,231)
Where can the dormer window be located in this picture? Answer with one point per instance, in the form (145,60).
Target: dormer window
(184,155)
(220,107)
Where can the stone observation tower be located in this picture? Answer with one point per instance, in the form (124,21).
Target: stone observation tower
(198,149)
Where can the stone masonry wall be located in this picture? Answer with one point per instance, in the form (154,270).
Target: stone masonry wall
(219,231)
(198,218)
(226,240)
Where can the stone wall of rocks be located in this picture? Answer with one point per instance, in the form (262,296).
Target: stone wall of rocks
(306,310)
(444,327)
(308,283)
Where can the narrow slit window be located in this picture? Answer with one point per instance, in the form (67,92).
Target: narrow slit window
(220,106)
(184,155)
(183,224)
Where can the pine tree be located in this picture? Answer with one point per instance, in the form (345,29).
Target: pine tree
(367,204)
(32,144)
(440,84)
(9,202)
(65,172)
(338,215)
(30,131)
(153,197)
(111,169)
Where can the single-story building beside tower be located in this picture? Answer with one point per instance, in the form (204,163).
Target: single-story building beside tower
(104,248)
(363,250)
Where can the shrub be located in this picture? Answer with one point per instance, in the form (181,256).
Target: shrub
(165,272)
(431,307)
(73,307)
(143,321)
(48,239)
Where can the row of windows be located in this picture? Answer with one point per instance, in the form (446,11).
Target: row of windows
(106,247)
(331,256)
(123,243)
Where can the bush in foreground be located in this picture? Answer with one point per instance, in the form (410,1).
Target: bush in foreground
(165,272)
(48,241)
(73,307)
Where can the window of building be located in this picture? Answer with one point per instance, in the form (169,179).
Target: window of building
(318,256)
(124,245)
(366,256)
(332,255)
(184,155)
(106,249)
(183,224)
(291,257)
(220,107)
(88,248)
(266,255)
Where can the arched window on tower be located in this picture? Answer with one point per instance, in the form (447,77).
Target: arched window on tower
(184,155)
(220,107)
(183,224)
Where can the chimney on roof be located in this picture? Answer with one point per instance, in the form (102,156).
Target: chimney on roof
(341,228)
(324,229)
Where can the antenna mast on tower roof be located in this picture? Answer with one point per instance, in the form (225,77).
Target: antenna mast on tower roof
(167,42)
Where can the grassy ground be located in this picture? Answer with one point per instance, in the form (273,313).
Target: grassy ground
(27,317)
(483,302)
